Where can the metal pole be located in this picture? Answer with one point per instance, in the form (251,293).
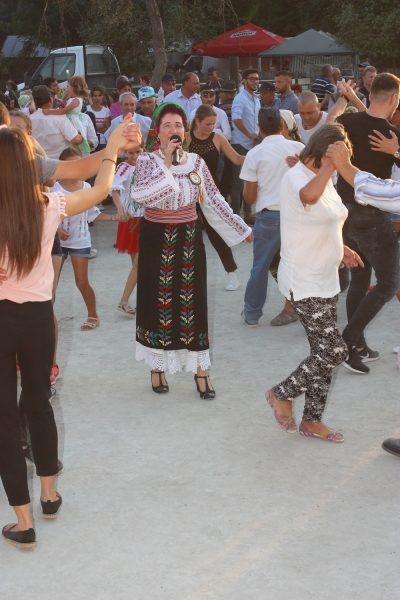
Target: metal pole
(234,69)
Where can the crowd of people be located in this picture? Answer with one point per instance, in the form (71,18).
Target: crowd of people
(310,177)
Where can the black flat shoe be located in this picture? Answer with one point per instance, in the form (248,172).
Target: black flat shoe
(20,539)
(208,394)
(50,509)
(160,388)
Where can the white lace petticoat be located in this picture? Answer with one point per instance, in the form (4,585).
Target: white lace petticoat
(172,361)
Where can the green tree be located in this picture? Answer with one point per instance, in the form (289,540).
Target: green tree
(373,28)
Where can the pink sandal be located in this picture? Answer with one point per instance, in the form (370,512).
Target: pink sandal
(287,423)
(331,436)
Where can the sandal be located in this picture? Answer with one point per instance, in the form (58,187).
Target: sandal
(126,308)
(91,323)
(21,539)
(286,422)
(329,436)
(160,388)
(284,318)
(209,393)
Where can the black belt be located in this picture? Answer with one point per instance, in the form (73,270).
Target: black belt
(268,210)
(364,210)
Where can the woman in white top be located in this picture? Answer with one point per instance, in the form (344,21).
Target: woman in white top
(312,218)
(28,222)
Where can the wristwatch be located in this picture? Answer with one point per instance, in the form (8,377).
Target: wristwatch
(397,153)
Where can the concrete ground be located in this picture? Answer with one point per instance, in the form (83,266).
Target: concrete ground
(171,497)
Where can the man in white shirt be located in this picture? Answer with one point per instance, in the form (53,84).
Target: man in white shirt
(262,172)
(127,101)
(187,96)
(53,132)
(168,85)
(310,117)
(222,123)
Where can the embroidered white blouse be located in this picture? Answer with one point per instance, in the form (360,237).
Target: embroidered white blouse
(123,183)
(171,189)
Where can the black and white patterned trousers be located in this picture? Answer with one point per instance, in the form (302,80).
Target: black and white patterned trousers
(313,375)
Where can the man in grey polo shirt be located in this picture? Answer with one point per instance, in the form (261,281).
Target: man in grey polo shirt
(262,172)
(245,109)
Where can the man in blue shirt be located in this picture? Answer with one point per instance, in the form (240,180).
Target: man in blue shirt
(323,87)
(245,110)
(287,100)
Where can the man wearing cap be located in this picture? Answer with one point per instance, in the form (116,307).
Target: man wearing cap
(207,96)
(187,97)
(128,105)
(262,172)
(214,82)
(227,92)
(348,77)
(147,99)
(53,132)
(267,94)
(168,85)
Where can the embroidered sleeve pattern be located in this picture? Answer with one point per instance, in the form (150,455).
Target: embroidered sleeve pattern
(216,202)
(120,177)
(154,185)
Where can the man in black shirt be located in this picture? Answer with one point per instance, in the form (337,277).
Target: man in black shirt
(368,230)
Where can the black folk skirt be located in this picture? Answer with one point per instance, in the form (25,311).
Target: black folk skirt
(171,315)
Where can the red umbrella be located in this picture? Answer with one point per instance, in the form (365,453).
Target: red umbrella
(244,40)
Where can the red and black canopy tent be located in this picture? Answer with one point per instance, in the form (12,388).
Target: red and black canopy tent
(247,40)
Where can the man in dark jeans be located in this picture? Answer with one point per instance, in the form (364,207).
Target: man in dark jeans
(368,230)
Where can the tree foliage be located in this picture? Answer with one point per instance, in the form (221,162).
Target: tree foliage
(373,28)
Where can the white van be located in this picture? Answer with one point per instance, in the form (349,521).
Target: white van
(96,63)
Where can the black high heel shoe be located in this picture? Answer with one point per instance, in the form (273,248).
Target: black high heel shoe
(160,388)
(208,394)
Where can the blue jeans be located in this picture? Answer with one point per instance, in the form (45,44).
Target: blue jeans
(267,242)
(237,184)
(369,232)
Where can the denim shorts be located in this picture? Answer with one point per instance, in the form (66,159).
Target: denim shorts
(80,252)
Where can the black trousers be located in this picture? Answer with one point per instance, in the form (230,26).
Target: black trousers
(27,330)
(222,248)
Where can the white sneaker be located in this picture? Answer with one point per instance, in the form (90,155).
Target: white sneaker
(93,253)
(233,282)
(397,350)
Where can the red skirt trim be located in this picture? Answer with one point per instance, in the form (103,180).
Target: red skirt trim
(128,236)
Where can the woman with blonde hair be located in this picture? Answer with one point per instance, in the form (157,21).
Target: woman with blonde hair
(28,221)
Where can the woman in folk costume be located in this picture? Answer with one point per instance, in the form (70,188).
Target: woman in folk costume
(171,322)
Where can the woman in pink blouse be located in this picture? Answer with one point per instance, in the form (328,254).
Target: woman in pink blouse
(28,221)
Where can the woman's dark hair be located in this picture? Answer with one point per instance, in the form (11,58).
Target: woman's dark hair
(49,80)
(68,152)
(21,222)
(319,142)
(204,111)
(11,84)
(172,109)
(121,84)
(97,88)
(146,78)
